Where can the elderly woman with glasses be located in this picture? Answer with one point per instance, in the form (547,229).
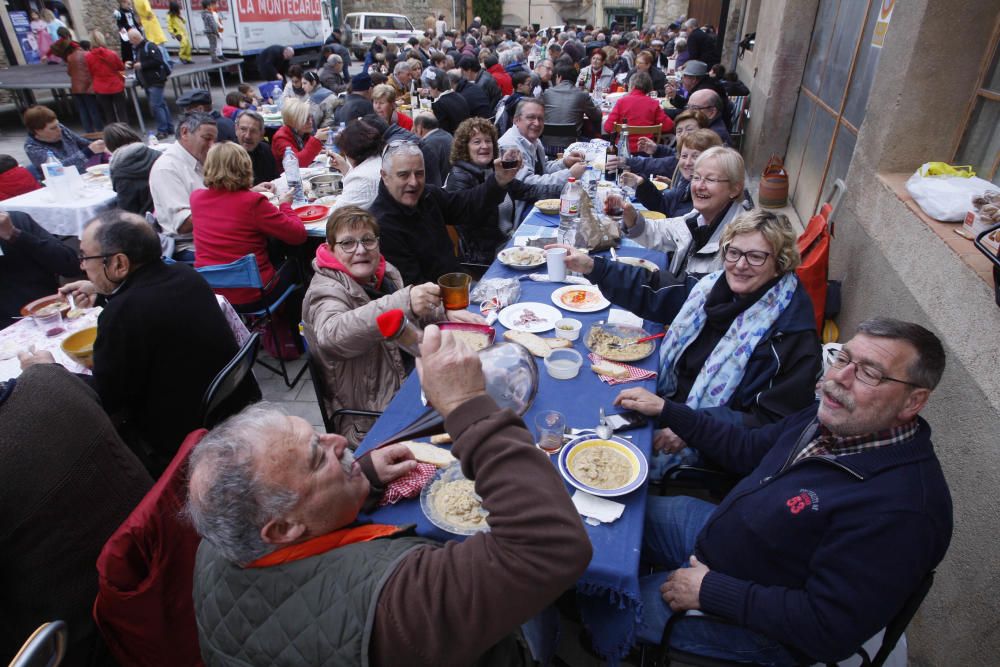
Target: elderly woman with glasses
(352,285)
(694,239)
(742,342)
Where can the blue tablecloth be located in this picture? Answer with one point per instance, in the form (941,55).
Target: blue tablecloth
(608,592)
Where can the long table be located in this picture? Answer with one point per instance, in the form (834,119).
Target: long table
(64,217)
(608,593)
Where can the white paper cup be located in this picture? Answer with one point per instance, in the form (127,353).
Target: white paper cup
(555,259)
(568,328)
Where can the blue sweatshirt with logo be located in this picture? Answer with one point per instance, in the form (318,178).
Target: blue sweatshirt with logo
(819,554)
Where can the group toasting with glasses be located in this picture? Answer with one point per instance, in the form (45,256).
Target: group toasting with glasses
(838,508)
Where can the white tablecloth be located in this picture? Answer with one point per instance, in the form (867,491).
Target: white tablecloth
(65,217)
(24,333)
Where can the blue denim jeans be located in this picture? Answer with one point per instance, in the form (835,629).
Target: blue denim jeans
(89,112)
(671,529)
(159,108)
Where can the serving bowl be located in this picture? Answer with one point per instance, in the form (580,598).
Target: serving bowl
(80,346)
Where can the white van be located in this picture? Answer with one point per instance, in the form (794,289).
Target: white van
(366,26)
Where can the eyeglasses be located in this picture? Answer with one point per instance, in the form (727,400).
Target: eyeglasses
(869,375)
(754,257)
(83,258)
(396,144)
(710,180)
(350,245)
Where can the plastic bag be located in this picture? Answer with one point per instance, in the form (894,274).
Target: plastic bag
(945,198)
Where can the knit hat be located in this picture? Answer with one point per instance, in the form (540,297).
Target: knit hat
(361,82)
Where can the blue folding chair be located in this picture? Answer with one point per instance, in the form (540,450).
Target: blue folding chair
(242,274)
(267,88)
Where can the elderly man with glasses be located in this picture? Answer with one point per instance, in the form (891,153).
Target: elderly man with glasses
(413,215)
(842,512)
(161,338)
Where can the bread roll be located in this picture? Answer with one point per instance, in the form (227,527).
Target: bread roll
(610,369)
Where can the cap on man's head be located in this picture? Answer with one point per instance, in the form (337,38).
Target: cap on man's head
(194,98)
(361,82)
(694,68)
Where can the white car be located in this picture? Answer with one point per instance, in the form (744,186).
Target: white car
(366,26)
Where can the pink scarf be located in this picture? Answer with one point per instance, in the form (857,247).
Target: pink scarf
(327,260)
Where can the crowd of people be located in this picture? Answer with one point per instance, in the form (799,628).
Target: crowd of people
(443,150)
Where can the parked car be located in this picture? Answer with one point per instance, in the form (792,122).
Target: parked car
(366,26)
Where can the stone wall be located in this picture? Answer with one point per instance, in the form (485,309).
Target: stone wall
(666,11)
(95,14)
(415,10)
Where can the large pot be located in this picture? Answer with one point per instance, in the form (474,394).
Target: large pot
(325,185)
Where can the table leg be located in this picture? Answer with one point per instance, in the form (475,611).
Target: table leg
(134,94)
(222,81)
(239,71)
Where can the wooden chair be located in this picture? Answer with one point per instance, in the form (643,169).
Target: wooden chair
(656,131)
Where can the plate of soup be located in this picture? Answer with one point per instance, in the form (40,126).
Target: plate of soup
(603,467)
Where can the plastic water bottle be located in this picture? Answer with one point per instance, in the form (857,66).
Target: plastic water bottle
(331,140)
(151,140)
(590,179)
(276,96)
(569,212)
(56,179)
(623,152)
(292,176)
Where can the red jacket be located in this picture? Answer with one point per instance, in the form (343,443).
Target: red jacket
(284,138)
(107,70)
(144,605)
(637,108)
(80,80)
(17,181)
(229,225)
(503,79)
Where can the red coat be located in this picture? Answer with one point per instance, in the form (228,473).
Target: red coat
(637,108)
(229,225)
(145,572)
(404,121)
(107,71)
(284,138)
(17,181)
(80,80)
(503,79)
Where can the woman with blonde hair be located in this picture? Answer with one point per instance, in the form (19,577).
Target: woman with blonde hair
(676,200)
(297,133)
(230,220)
(742,342)
(384,101)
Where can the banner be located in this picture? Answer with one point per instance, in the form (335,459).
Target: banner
(258,11)
(26,38)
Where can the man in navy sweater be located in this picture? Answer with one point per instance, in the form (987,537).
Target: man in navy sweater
(842,511)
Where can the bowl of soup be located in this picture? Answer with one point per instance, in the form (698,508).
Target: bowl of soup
(603,467)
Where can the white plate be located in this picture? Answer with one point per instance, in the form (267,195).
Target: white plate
(509,316)
(506,255)
(601,304)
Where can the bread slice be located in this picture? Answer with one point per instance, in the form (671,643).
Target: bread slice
(428,453)
(538,346)
(441,439)
(610,369)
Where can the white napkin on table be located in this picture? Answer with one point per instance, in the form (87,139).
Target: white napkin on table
(597,510)
(623,317)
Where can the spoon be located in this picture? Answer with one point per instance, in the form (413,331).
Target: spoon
(638,340)
(602,429)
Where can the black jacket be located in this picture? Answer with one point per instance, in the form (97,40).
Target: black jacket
(264,166)
(354,106)
(480,243)
(154,72)
(30,266)
(271,62)
(227,128)
(490,86)
(160,341)
(131,165)
(416,241)
(450,110)
(437,156)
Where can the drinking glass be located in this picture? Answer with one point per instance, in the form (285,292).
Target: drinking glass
(455,290)
(550,427)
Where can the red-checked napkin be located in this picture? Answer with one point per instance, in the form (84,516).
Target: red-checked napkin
(634,373)
(409,485)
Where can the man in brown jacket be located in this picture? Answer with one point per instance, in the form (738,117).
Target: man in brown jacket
(285,575)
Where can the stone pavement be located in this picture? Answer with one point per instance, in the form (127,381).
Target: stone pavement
(299,401)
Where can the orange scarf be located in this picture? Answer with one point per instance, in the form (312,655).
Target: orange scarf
(323,543)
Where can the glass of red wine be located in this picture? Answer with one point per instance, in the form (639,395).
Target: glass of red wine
(614,206)
(509,158)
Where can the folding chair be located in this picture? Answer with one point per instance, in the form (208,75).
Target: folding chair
(319,385)
(244,273)
(893,631)
(222,398)
(46,647)
(557,137)
(267,88)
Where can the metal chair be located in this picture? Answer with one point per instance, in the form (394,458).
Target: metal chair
(222,399)
(244,273)
(46,647)
(557,137)
(893,631)
(319,386)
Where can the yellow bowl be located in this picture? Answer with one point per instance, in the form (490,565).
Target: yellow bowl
(653,215)
(80,346)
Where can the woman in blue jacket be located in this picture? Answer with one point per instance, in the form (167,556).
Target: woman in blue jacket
(742,344)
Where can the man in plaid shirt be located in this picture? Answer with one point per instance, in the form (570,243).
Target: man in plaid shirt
(841,513)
